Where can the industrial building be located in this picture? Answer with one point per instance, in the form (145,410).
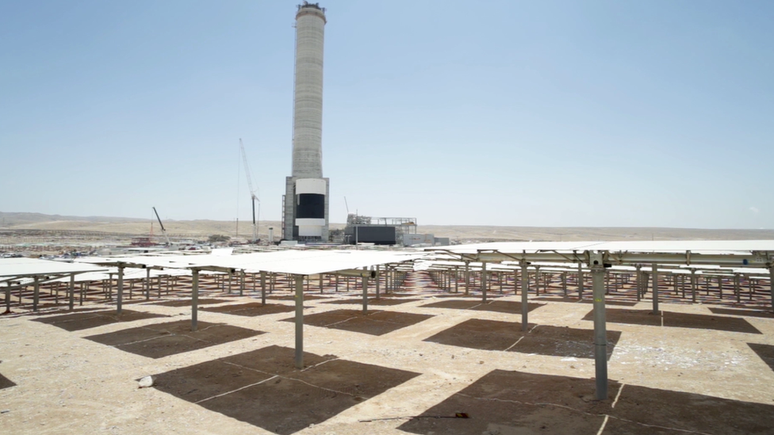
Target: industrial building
(388,231)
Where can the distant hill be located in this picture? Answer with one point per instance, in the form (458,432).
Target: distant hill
(458,233)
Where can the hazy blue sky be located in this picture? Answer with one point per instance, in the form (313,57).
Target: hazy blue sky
(539,113)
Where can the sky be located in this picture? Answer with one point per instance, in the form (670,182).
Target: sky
(517,113)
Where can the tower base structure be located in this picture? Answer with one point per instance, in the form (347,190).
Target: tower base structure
(305,209)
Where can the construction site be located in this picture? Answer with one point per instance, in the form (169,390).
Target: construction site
(301,325)
(467,339)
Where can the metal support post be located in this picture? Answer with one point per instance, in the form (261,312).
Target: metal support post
(365,294)
(564,283)
(263,287)
(120,297)
(655,289)
(8,298)
(580,281)
(194,299)
(483,282)
(377,281)
(71,302)
(537,281)
(299,321)
(242,282)
(35,293)
(456,279)
(600,328)
(638,282)
(737,288)
(524,295)
(771,285)
(693,285)
(467,278)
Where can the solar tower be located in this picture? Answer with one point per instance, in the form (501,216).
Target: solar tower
(305,204)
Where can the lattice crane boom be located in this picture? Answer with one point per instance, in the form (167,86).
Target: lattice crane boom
(253,196)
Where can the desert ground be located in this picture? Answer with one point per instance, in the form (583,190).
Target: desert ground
(421,360)
(53,234)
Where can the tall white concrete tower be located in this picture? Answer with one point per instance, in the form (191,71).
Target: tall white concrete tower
(305,206)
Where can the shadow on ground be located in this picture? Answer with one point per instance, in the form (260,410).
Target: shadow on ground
(496,306)
(585,301)
(677,320)
(251,309)
(540,339)
(765,352)
(79,321)
(749,313)
(264,388)
(6,383)
(509,402)
(292,297)
(187,302)
(165,339)
(386,301)
(373,322)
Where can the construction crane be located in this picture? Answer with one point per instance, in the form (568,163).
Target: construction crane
(163,230)
(253,196)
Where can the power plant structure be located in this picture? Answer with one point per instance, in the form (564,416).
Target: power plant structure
(305,204)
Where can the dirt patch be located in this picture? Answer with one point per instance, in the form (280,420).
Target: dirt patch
(187,302)
(381,301)
(276,397)
(563,342)
(251,309)
(677,320)
(165,339)
(373,322)
(79,321)
(765,352)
